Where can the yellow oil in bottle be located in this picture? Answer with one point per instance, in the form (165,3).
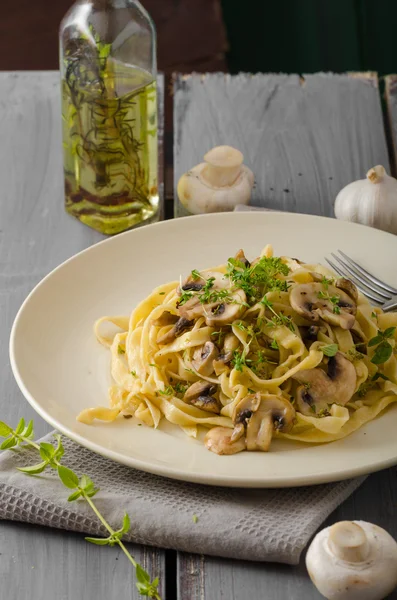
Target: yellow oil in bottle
(110,145)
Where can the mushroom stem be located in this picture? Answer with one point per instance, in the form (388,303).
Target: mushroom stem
(223,166)
(348,541)
(376,174)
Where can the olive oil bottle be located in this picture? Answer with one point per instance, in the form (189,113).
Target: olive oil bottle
(109,114)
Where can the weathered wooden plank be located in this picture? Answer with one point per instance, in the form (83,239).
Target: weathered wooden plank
(210,578)
(304,138)
(35,236)
(391,117)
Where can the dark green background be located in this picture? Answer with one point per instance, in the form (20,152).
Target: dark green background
(305,36)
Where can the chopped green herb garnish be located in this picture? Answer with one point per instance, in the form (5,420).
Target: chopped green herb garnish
(330,349)
(133,373)
(274,345)
(195,275)
(180,388)
(161,293)
(239,360)
(195,518)
(260,278)
(120,349)
(326,282)
(153,365)
(278,318)
(380,376)
(168,391)
(374,315)
(251,391)
(354,354)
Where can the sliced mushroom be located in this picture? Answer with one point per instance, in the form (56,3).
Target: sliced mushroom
(274,413)
(196,285)
(240,256)
(203,358)
(306,300)
(219,440)
(166,318)
(321,388)
(310,333)
(200,388)
(347,286)
(208,403)
(230,344)
(180,326)
(261,416)
(244,410)
(200,394)
(224,313)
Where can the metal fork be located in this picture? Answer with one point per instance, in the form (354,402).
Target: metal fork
(376,290)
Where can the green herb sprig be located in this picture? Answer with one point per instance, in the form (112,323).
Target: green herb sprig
(333,299)
(260,278)
(330,350)
(384,349)
(83,487)
(278,318)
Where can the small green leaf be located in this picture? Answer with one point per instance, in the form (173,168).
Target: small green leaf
(68,478)
(86,482)
(20,427)
(8,443)
(120,349)
(126,524)
(92,493)
(98,541)
(375,340)
(330,350)
(75,496)
(47,451)
(34,469)
(389,332)
(5,429)
(382,354)
(29,430)
(141,575)
(155,582)
(195,518)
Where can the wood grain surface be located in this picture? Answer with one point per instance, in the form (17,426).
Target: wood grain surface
(35,236)
(304,138)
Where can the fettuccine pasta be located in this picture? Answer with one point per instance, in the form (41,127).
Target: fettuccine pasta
(252,351)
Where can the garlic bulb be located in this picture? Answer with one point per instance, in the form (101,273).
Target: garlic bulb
(371,201)
(218,184)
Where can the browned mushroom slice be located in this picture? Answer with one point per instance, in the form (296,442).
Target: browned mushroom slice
(347,286)
(203,358)
(200,388)
(200,394)
(240,256)
(321,388)
(219,440)
(166,318)
(180,326)
(230,344)
(313,302)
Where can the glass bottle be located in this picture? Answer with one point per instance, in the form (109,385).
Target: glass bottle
(109,114)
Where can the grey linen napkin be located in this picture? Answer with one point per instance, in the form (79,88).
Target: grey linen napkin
(263,525)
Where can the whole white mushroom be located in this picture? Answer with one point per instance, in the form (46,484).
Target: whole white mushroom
(353,560)
(218,184)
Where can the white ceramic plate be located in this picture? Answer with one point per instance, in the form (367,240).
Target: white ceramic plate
(61,368)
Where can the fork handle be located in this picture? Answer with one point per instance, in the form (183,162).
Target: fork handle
(390,304)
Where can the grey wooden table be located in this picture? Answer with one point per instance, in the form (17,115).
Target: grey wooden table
(305,139)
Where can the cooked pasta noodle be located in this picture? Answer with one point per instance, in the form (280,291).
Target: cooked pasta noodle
(252,351)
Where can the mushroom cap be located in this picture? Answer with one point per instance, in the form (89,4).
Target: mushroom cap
(372,577)
(218,440)
(224,313)
(208,403)
(306,301)
(337,385)
(198,196)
